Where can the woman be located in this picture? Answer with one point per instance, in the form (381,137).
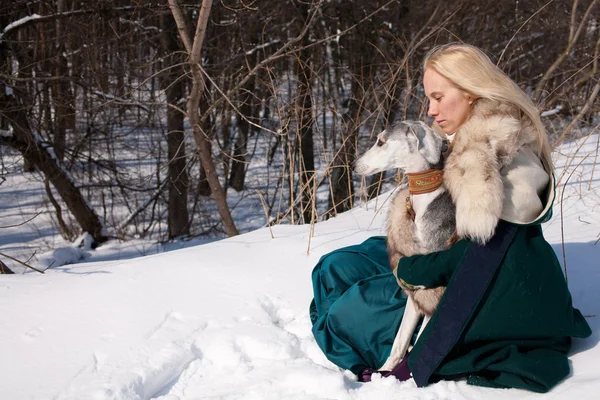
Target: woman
(506,319)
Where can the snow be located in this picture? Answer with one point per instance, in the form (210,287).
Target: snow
(229,319)
(262,46)
(60,256)
(119,100)
(554,111)
(139,24)
(18,23)
(6,133)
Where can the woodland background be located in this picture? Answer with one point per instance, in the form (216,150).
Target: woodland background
(147,118)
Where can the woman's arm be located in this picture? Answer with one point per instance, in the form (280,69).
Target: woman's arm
(430,270)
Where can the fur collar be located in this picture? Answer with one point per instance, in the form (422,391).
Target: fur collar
(479,171)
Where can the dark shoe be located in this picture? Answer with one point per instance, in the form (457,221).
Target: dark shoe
(400,372)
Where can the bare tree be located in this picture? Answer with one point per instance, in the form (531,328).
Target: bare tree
(194,49)
(304,128)
(575,30)
(309,83)
(174,86)
(30,145)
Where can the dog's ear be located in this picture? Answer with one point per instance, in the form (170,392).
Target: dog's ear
(445,146)
(430,144)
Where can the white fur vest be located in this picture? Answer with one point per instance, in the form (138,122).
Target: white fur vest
(493,171)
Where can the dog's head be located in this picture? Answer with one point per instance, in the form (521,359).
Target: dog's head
(408,145)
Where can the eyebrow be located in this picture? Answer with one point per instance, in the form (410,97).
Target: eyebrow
(434,93)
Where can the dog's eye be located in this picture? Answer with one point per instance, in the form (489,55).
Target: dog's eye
(380,142)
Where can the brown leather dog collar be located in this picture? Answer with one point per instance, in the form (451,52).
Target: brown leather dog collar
(425,181)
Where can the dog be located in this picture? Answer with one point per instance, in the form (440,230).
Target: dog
(420,221)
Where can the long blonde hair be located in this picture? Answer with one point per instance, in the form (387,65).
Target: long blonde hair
(471,70)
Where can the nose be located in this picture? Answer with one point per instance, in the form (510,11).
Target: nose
(433,111)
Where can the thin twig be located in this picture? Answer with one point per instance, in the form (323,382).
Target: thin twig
(244,117)
(570,161)
(518,30)
(22,223)
(562,227)
(595,162)
(20,262)
(563,56)
(313,215)
(262,200)
(581,113)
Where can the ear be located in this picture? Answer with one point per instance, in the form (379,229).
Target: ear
(445,146)
(430,144)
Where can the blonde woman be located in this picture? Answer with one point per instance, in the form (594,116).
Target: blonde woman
(506,318)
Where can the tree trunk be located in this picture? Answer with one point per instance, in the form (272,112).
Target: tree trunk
(25,70)
(28,143)
(4,269)
(342,190)
(305,126)
(240,145)
(178,217)
(59,95)
(178,176)
(201,138)
(237,175)
(203,185)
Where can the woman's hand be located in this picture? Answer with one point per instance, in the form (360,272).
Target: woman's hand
(430,270)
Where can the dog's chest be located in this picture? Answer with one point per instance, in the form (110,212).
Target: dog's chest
(432,226)
(422,235)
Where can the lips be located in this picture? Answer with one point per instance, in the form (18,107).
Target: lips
(440,122)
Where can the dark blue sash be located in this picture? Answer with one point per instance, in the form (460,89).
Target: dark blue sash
(462,296)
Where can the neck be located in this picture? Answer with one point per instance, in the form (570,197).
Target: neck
(425,181)
(427,185)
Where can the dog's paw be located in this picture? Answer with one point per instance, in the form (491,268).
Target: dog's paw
(394,359)
(390,363)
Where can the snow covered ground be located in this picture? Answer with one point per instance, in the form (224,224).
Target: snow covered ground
(229,319)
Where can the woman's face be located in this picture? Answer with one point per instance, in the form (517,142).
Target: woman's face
(448,105)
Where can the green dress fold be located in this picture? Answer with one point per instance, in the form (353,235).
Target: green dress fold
(518,335)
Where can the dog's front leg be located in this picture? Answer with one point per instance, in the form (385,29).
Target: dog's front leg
(410,319)
(423,325)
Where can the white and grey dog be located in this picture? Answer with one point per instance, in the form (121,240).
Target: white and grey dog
(413,147)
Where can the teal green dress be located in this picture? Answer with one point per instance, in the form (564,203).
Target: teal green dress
(517,336)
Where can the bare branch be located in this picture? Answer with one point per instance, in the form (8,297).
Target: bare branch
(181,25)
(521,27)
(35,18)
(21,262)
(581,113)
(200,31)
(22,223)
(572,25)
(562,57)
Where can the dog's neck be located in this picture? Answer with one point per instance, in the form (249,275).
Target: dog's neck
(425,181)
(423,187)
